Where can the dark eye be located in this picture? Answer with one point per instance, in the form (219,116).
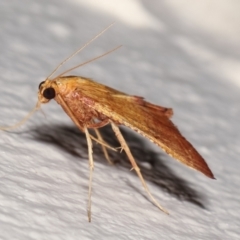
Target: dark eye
(41,84)
(49,93)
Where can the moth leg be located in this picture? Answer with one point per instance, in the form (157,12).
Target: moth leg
(95,126)
(100,124)
(134,164)
(75,120)
(91,167)
(100,138)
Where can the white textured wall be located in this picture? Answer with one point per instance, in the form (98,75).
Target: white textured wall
(183,55)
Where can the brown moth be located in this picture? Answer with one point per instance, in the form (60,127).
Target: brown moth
(92,105)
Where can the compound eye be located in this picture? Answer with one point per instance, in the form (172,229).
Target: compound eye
(49,93)
(41,83)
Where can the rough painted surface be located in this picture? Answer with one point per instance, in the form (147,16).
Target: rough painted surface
(176,55)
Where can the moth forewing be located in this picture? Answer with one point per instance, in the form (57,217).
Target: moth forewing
(150,120)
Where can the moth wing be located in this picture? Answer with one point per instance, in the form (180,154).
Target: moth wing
(150,120)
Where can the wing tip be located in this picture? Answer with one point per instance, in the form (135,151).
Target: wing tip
(207,172)
(210,175)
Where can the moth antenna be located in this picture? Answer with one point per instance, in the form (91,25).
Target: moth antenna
(18,124)
(80,49)
(91,60)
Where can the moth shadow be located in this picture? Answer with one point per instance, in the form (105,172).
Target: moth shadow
(151,163)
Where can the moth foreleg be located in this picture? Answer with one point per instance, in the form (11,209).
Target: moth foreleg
(134,164)
(91,167)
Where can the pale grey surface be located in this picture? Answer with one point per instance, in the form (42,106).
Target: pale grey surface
(182,55)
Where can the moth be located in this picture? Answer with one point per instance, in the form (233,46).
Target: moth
(92,105)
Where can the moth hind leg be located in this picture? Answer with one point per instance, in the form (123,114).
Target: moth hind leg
(134,165)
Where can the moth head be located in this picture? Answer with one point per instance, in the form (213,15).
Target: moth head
(47,91)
